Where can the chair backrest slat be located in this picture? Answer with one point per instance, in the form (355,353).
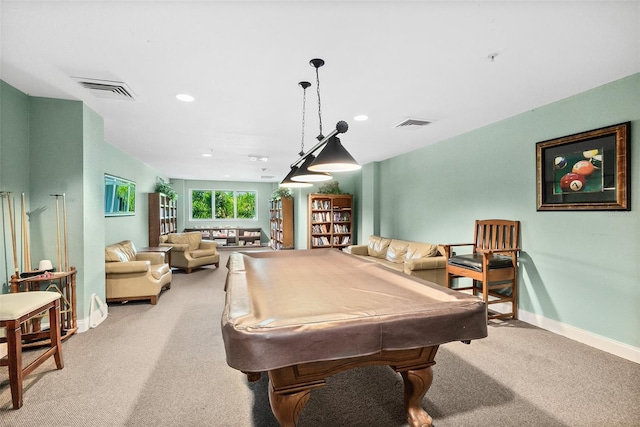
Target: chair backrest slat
(496,234)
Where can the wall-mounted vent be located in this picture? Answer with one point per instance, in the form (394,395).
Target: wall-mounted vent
(413,122)
(106,88)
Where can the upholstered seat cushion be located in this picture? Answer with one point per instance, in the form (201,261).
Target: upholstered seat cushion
(127,267)
(14,306)
(423,260)
(200,253)
(192,239)
(159,270)
(474,261)
(378,246)
(396,251)
(189,250)
(133,276)
(417,250)
(120,252)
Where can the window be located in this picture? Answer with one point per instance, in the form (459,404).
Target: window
(223,204)
(119,196)
(201,204)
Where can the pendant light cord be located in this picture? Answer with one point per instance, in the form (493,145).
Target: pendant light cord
(319,104)
(304,107)
(304,86)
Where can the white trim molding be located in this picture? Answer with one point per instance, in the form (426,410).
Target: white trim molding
(616,348)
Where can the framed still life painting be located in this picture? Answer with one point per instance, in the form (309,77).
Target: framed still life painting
(585,171)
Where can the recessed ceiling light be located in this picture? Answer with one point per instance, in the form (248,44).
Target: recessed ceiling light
(361,118)
(258,158)
(185,97)
(207,155)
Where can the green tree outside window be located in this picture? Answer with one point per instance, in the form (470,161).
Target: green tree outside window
(246,204)
(223,204)
(201,204)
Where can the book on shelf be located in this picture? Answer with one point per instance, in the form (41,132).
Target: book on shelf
(340,228)
(321,204)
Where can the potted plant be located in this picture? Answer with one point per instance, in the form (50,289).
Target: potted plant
(281,192)
(166,189)
(331,187)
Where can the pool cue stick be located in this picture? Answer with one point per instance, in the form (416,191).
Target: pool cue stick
(13,236)
(58,232)
(64,232)
(25,237)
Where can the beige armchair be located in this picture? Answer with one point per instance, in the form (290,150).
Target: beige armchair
(189,251)
(135,276)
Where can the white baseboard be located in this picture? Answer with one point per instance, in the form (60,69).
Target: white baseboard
(85,324)
(98,313)
(616,348)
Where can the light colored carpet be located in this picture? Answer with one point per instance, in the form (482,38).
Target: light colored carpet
(165,365)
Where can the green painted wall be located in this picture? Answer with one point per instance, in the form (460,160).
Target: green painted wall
(57,146)
(93,222)
(579,268)
(56,132)
(65,136)
(368,215)
(135,227)
(350,182)
(263,189)
(14,173)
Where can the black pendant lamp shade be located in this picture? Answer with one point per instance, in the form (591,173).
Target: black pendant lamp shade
(334,158)
(287,182)
(305,175)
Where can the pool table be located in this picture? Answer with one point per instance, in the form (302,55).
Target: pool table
(304,315)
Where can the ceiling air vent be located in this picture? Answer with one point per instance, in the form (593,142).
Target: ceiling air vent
(107,88)
(267,177)
(413,122)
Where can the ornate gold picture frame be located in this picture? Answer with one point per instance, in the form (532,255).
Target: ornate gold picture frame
(585,171)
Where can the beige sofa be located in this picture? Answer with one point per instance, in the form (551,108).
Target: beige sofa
(134,276)
(424,260)
(189,251)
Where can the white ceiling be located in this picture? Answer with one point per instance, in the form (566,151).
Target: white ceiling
(242,61)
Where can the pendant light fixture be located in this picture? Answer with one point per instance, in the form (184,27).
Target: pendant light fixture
(333,157)
(303,174)
(287,181)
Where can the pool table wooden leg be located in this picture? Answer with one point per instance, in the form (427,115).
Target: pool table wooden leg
(416,384)
(287,407)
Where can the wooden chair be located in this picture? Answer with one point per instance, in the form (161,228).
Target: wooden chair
(14,310)
(492,265)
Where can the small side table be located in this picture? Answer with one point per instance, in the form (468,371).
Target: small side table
(166,250)
(64,283)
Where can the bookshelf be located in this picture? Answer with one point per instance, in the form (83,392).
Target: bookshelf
(330,220)
(163,217)
(281,224)
(231,236)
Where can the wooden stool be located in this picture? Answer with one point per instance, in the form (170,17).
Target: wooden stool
(16,309)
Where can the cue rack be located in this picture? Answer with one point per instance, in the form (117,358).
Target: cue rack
(62,280)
